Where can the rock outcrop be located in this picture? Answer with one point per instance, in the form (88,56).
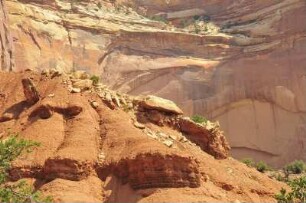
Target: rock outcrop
(239,62)
(97,153)
(156,171)
(30,91)
(160,104)
(210,140)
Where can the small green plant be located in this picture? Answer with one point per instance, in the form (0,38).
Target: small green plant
(249,162)
(199,119)
(159,18)
(295,167)
(206,18)
(197,28)
(95,79)
(297,193)
(196,17)
(10,149)
(183,23)
(262,166)
(279,177)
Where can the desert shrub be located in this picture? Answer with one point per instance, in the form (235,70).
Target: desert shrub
(297,193)
(206,18)
(261,166)
(295,167)
(249,162)
(281,178)
(199,119)
(10,149)
(197,28)
(159,18)
(196,17)
(95,79)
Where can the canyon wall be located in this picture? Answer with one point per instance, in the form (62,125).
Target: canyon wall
(6,44)
(250,74)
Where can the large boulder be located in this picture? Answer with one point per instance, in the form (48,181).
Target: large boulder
(82,84)
(160,104)
(30,92)
(209,137)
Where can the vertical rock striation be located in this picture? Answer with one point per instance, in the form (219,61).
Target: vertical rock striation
(6,44)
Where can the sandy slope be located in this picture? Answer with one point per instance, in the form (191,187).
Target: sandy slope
(99,155)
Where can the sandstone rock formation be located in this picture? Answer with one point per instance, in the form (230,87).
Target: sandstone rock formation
(247,69)
(30,92)
(210,140)
(98,154)
(6,43)
(156,103)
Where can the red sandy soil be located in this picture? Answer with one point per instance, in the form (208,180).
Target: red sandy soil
(99,155)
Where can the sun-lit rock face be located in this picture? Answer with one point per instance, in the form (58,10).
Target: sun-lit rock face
(249,74)
(6,44)
(114,153)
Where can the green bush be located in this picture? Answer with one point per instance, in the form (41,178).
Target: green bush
(159,18)
(295,167)
(196,17)
(297,193)
(199,119)
(95,79)
(197,28)
(249,162)
(10,149)
(261,166)
(206,18)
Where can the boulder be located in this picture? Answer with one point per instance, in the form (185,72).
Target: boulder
(75,90)
(211,140)
(30,92)
(160,104)
(6,117)
(94,104)
(82,84)
(80,75)
(54,72)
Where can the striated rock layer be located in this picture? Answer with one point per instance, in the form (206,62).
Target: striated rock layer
(6,43)
(96,153)
(250,74)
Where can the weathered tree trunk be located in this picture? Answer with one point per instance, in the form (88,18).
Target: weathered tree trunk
(6,43)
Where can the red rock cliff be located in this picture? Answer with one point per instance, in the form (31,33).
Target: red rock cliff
(246,70)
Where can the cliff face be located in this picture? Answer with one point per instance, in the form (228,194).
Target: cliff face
(249,72)
(6,44)
(101,146)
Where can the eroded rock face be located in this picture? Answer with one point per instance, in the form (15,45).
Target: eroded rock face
(30,91)
(250,75)
(6,43)
(210,140)
(156,171)
(98,154)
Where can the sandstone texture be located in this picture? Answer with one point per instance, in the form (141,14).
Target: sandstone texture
(30,92)
(156,103)
(6,42)
(112,152)
(243,64)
